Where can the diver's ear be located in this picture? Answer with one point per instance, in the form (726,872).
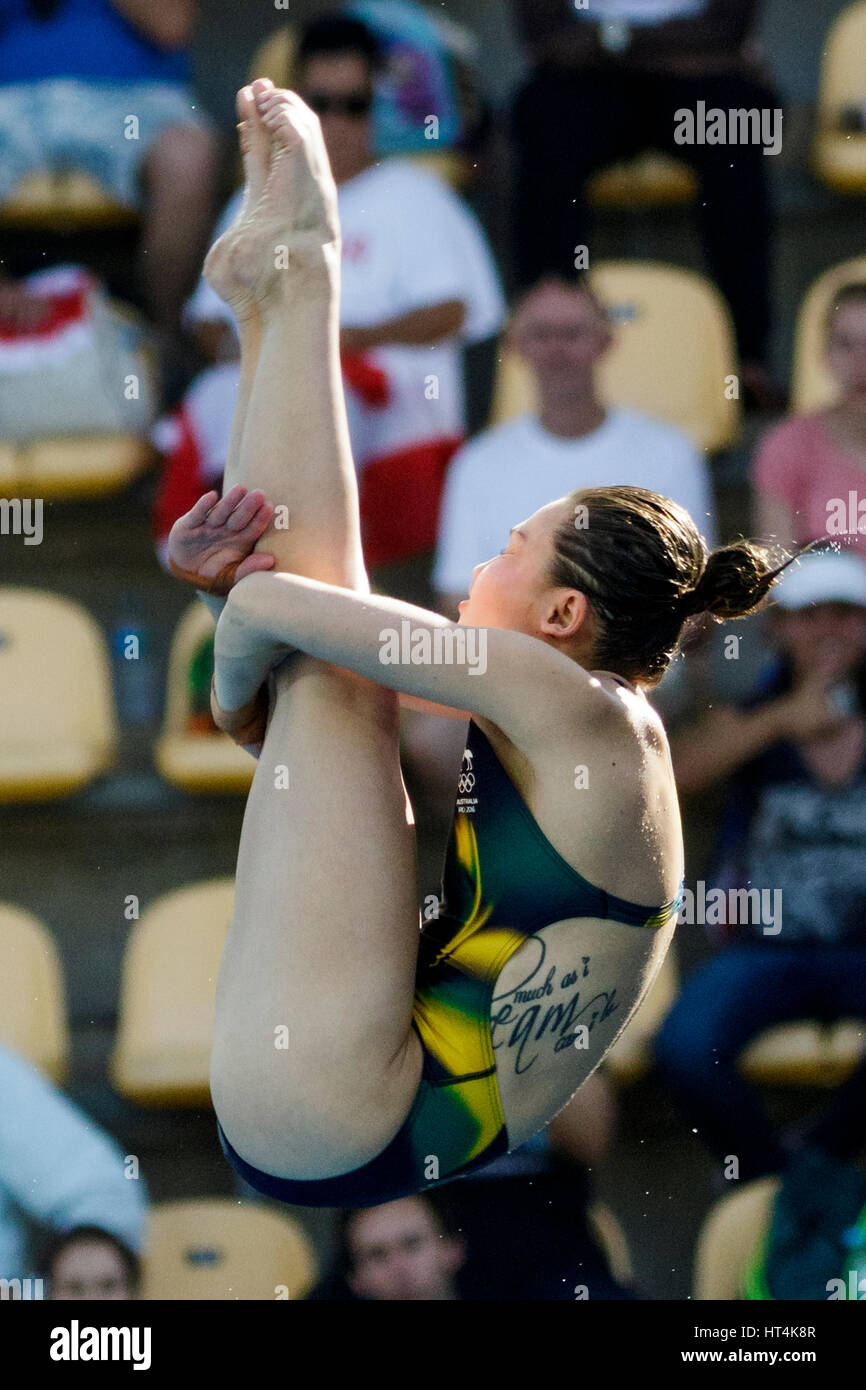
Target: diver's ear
(566,613)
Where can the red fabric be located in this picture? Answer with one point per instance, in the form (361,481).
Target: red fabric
(400,495)
(182,483)
(370,382)
(60,310)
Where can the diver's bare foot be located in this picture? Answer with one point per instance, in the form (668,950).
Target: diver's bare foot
(288,231)
(255,146)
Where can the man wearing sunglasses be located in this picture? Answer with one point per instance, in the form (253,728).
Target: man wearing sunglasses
(418,282)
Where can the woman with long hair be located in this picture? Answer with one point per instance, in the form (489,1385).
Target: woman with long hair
(355,1058)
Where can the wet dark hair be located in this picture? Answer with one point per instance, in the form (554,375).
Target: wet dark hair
(44,9)
(56,1245)
(645,569)
(852,293)
(338,34)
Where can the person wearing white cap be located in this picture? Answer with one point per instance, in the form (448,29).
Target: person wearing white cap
(794,829)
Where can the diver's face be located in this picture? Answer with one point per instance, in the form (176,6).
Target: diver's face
(509,589)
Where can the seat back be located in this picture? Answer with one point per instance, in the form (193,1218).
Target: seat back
(728,1238)
(275,56)
(672,356)
(218,1248)
(32,1001)
(812,387)
(843,74)
(56,694)
(168,986)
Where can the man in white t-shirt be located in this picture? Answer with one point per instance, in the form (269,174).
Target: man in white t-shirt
(508,472)
(418,282)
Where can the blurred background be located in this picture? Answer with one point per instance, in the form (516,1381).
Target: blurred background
(120,807)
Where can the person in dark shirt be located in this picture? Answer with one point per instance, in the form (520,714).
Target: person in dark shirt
(609,80)
(794,831)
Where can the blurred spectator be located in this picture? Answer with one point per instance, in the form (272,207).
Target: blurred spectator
(418,281)
(608,81)
(400,1251)
(89,1263)
(809,474)
(508,472)
(102,86)
(794,831)
(57,1168)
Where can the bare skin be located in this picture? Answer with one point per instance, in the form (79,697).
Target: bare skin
(325,930)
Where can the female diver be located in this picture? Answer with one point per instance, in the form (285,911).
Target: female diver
(356,1059)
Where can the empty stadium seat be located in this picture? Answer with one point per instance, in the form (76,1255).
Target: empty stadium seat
(61,470)
(58,729)
(651,179)
(812,386)
(839,154)
(728,1238)
(630,1058)
(217,1248)
(32,1001)
(674,350)
(804,1053)
(202,763)
(67,201)
(168,984)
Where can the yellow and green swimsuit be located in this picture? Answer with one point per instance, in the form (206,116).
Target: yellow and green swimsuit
(499,868)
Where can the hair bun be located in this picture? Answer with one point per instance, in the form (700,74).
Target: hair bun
(735,580)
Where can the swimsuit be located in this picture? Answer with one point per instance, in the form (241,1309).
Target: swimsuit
(499,868)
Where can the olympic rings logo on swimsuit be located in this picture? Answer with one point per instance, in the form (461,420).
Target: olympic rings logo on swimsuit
(466,782)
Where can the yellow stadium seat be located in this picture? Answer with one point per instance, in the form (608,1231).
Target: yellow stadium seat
(672,358)
(651,179)
(58,729)
(165,1025)
(32,1001)
(804,1054)
(63,202)
(611,1238)
(217,1248)
(839,155)
(62,470)
(630,1058)
(203,763)
(812,386)
(275,57)
(728,1239)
